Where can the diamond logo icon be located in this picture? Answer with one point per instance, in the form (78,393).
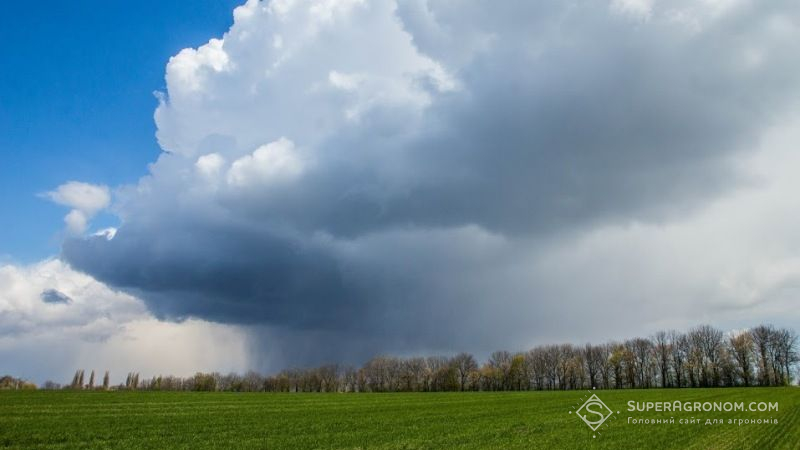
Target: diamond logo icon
(594,412)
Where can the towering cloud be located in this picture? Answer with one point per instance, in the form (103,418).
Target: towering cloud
(361,176)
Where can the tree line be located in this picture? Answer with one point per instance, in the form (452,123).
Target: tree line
(702,357)
(9,383)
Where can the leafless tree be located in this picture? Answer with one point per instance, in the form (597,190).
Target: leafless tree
(785,354)
(464,364)
(416,374)
(680,350)
(594,359)
(606,368)
(742,350)
(640,353)
(762,337)
(663,351)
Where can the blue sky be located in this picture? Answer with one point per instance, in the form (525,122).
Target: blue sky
(76,101)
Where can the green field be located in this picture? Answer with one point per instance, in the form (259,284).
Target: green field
(535,420)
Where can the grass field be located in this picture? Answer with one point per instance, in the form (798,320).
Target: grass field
(538,420)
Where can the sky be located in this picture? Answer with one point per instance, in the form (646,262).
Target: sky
(76,101)
(294,182)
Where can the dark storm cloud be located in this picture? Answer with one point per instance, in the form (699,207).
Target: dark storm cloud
(232,275)
(403,232)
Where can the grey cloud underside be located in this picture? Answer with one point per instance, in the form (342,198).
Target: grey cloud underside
(54,297)
(262,277)
(230,274)
(569,118)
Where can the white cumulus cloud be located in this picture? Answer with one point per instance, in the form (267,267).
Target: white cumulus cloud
(85,199)
(274,162)
(54,320)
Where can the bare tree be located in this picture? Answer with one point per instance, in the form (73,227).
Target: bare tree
(707,342)
(329,378)
(536,362)
(464,363)
(350,380)
(679,346)
(617,362)
(500,363)
(762,339)
(604,358)
(663,350)
(517,374)
(742,351)
(592,360)
(416,374)
(552,357)
(252,382)
(785,353)
(640,358)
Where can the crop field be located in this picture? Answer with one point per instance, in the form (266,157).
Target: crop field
(538,420)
